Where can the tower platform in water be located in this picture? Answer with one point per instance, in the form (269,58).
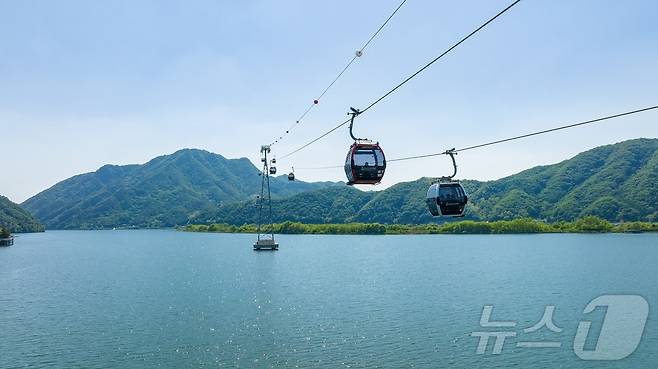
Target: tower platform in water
(266,244)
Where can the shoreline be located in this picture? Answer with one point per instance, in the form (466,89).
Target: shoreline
(517,226)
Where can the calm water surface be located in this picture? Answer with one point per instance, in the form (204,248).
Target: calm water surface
(143,299)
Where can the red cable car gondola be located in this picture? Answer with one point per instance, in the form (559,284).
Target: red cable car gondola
(365,162)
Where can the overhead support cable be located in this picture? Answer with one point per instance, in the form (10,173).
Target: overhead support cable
(357,54)
(412,76)
(514,138)
(531,134)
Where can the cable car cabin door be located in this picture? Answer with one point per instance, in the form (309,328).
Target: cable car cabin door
(452,199)
(446,199)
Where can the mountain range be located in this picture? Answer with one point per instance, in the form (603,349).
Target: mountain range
(164,192)
(615,182)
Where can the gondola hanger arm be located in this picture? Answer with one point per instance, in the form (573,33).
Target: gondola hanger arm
(353,114)
(452,152)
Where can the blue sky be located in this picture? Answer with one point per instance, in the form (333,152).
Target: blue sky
(85,83)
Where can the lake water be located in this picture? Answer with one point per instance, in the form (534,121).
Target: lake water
(142,299)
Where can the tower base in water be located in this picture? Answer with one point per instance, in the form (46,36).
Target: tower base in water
(266,244)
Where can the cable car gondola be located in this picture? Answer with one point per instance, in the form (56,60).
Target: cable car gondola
(272,167)
(447,196)
(291,175)
(365,162)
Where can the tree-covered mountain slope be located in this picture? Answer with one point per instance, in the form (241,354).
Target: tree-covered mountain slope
(615,182)
(330,205)
(15,219)
(166,191)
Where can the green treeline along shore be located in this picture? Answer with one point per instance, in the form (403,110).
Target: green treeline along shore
(589,224)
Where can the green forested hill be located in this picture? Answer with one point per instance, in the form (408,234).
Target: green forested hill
(615,182)
(166,191)
(14,219)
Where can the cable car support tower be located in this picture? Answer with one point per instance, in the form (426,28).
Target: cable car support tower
(265,240)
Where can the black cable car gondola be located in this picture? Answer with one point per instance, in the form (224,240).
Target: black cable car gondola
(365,162)
(447,197)
(291,175)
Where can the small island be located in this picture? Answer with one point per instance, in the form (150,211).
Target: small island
(6,239)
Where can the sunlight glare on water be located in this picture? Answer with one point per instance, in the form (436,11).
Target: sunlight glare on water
(135,299)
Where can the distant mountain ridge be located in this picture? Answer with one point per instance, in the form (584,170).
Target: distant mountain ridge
(615,182)
(163,192)
(15,219)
